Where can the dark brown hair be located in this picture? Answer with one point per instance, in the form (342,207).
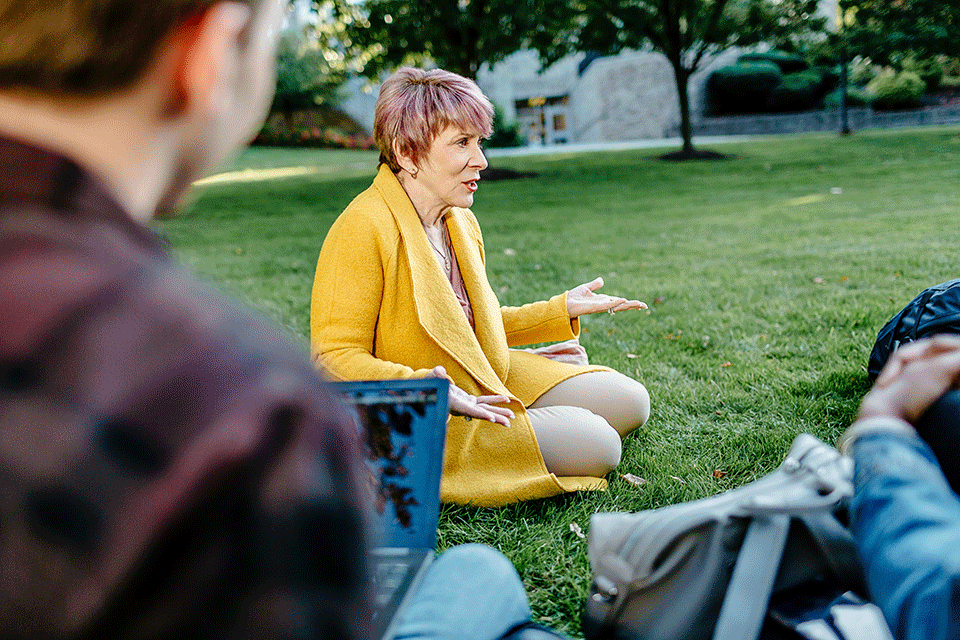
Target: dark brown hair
(85,47)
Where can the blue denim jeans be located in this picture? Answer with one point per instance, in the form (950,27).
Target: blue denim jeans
(471,592)
(906,523)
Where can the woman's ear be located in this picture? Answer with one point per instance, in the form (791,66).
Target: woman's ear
(405,162)
(205,51)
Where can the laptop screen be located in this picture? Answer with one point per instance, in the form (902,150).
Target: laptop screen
(403,425)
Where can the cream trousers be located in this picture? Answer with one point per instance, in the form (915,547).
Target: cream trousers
(580,423)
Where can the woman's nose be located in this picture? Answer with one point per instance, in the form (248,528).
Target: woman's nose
(480,160)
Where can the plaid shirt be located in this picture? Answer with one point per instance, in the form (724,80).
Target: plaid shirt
(170,467)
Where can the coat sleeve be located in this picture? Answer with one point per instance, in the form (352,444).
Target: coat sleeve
(345,305)
(906,523)
(545,321)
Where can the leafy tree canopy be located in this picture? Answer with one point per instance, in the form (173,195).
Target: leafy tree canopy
(457,35)
(883,30)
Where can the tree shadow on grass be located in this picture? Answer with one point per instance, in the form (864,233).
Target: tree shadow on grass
(695,154)
(493,174)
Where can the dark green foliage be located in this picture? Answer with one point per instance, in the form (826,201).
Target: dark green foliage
(884,31)
(829,76)
(304,78)
(797,92)
(856,97)
(787,62)
(505,134)
(823,53)
(457,36)
(930,70)
(743,88)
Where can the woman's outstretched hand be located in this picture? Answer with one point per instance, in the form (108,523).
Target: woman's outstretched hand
(582,301)
(480,407)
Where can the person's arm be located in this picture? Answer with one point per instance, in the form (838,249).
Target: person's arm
(906,520)
(544,321)
(345,304)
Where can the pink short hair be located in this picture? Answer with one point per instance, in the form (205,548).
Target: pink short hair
(416,105)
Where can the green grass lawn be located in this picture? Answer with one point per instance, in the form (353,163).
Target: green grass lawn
(768,277)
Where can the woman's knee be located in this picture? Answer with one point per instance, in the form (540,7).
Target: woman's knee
(631,408)
(639,401)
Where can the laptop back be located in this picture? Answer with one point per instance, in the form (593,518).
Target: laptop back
(404,429)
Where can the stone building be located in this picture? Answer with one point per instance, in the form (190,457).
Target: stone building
(581,98)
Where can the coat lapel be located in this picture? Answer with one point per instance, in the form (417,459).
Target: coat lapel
(438,311)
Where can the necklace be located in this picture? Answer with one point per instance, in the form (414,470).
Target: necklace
(445,256)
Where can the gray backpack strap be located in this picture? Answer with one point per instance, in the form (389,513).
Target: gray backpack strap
(748,595)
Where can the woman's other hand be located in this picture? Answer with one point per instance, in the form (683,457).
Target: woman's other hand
(582,301)
(480,407)
(568,351)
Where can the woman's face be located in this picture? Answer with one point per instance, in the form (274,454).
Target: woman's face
(451,167)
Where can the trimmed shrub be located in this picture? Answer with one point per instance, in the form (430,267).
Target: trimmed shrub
(930,71)
(856,97)
(743,88)
(896,90)
(950,82)
(797,92)
(830,76)
(786,62)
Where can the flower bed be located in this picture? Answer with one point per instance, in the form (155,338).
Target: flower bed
(313,137)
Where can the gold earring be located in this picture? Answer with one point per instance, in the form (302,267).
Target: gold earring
(413,173)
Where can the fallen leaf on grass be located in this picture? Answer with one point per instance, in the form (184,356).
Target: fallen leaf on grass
(818,280)
(577,530)
(636,481)
(727,364)
(659,300)
(509,252)
(717,473)
(632,356)
(680,480)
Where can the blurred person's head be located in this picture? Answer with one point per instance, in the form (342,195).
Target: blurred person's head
(153,93)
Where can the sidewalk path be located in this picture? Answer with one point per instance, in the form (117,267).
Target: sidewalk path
(661,143)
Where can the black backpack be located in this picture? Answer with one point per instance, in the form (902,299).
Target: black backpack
(935,310)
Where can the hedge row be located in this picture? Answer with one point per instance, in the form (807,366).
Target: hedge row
(769,82)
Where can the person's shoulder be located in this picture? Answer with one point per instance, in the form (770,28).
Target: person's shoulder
(51,267)
(367,217)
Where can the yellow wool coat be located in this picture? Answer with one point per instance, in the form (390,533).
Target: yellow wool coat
(383,308)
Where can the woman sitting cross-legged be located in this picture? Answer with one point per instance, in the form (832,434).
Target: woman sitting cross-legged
(401,291)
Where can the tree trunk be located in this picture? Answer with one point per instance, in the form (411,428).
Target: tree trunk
(682,78)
